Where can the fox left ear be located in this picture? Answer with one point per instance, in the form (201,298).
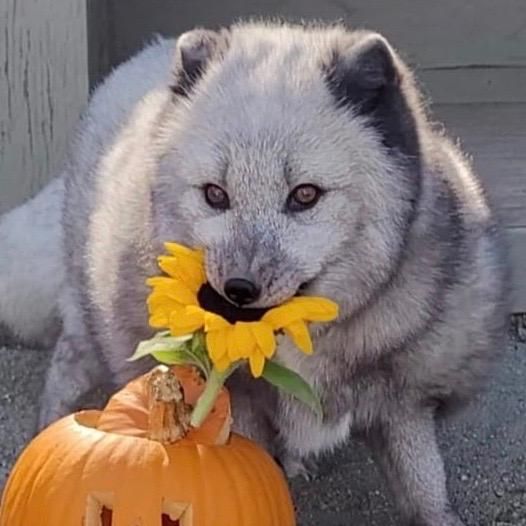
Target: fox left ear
(363,74)
(195,50)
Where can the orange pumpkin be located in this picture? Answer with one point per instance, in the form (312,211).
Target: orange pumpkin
(129,466)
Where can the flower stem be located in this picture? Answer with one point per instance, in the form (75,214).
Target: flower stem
(206,401)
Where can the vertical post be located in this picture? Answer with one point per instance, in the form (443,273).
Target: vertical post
(43,88)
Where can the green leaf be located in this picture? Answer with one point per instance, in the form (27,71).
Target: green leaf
(292,383)
(177,357)
(161,342)
(164,334)
(172,350)
(198,348)
(198,342)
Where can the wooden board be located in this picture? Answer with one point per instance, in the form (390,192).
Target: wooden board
(43,86)
(468,85)
(495,136)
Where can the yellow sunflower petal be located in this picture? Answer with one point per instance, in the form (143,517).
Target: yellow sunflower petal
(173,288)
(231,349)
(257,363)
(216,345)
(181,251)
(187,321)
(159,320)
(299,334)
(169,265)
(242,342)
(315,309)
(283,315)
(214,322)
(159,281)
(160,308)
(184,270)
(222,364)
(161,302)
(264,336)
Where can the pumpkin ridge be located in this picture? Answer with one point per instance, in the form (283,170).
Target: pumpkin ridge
(271,510)
(62,461)
(231,478)
(86,461)
(42,474)
(249,471)
(263,479)
(199,460)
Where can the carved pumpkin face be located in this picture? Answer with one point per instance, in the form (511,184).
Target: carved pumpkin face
(98,468)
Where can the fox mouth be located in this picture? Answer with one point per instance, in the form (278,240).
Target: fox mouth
(303,287)
(210,300)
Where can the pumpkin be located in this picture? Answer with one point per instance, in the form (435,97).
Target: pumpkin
(138,463)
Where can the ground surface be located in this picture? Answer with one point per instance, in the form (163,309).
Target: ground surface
(485,450)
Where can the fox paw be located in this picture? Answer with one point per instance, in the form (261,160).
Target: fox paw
(295,467)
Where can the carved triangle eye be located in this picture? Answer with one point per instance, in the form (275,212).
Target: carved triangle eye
(177,514)
(99,512)
(106,518)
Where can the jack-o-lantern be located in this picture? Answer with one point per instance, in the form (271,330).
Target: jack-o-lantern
(138,463)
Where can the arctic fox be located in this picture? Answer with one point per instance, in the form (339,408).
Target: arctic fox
(301,159)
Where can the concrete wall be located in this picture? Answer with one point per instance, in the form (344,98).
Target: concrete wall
(43,87)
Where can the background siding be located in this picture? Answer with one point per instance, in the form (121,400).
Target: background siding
(495,135)
(43,87)
(484,39)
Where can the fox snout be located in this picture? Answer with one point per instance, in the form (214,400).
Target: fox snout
(241,291)
(259,263)
(259,282)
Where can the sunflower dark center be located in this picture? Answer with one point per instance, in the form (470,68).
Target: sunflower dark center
(210,300)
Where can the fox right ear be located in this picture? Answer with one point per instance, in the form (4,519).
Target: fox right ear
(194,51)
(364,75)
(361,71)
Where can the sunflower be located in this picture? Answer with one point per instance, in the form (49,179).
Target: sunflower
(183,302)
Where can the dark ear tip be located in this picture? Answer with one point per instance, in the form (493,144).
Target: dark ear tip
(196,38)
(194,50)
(196,46)
(375,60)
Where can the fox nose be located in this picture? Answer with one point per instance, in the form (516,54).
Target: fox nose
(241,291)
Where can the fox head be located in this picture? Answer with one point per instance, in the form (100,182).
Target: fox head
(293,159)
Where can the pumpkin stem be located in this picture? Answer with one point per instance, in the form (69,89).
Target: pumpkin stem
(169,415)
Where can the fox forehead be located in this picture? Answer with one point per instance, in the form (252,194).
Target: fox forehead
(262,119)
(280,142)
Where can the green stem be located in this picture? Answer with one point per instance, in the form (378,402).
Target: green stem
(206,401)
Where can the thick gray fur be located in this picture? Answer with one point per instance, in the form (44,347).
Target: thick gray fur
(403,238)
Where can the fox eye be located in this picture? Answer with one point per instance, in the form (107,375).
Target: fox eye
(216,197)
(303,197)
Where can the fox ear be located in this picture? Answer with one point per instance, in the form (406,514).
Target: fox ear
(363,74)
(194,51)
(359,72)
